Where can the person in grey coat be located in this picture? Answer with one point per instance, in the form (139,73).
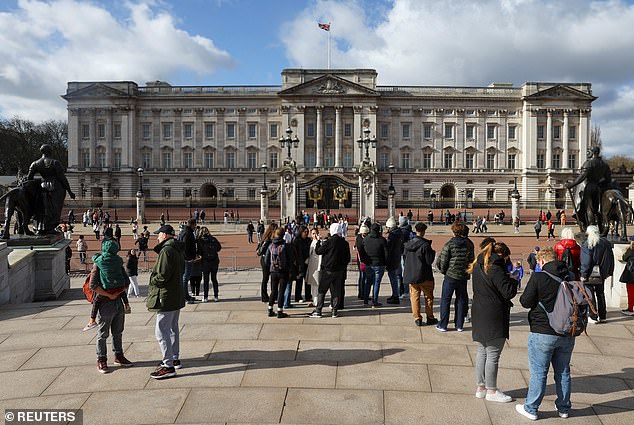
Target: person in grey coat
(597,250)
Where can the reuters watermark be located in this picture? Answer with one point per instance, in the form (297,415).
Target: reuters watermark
(44,416)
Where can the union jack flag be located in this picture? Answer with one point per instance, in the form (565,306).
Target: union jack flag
(325,27)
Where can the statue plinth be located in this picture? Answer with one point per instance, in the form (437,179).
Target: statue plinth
(25,240)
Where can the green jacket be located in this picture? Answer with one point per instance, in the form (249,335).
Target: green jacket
(165,292)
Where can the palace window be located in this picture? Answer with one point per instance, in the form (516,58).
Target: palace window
(167,193)
(384,160)
(188,130)
(85,131)
(273,160)
(572,132)
(491,131)
(556,161)
(490,194)
(426,161)
(101,159)
(329,158)
(540,131)
(273,130)
(188,160)
(540,160)
(147,160)
(230,160)
(310,129)
(167,131)
(231,130)
(209,130)
(448,160)
(311,158)
(405,161)
(252,160)
(385,130)
(427,131)
(117,131)
(209,160)
(556,132)
(252,130)
(329,129)
(347,130)
(251,193)
(448,131)
(146,131)
(85,159)
(406,131)
(101,131)
(167,160)
(347,159)
(405,194)
(117,160)
(490,161)
(512,130)
(511,161)
(468,160)
(470,128)
(572,161)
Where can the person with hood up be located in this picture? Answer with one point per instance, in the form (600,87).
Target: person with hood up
(166,298)
(453,261)
(418,274)
(493,290)
(277,261)
(375,247)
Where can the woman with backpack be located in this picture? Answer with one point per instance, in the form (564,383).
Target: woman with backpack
(627,277)
(493,290)
(207,248)
(261,250)
(277,261)
(568,251)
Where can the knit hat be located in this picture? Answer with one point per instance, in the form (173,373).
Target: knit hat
(335,229)
(390,223)
(402,221)
(364,230)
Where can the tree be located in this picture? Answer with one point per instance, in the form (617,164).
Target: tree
(621,163)
(20,141)
(595,137)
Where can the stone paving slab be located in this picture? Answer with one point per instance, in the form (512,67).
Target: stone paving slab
(590,364)
(252,405)
(448,354)
(419,408)
(71,355)
(252,350)
(76,379)
(20,314)
(203,374)
(35,325)
(615,346)
(583,344)
(380,333)
(310,332)
(291,374)
(461,380)
(383,376)
(318,351)
(325,406)
(64,401)
(12,360)
(149,351)
(26,383)
(220,331)
(505,414)
(611,416)
(39,339)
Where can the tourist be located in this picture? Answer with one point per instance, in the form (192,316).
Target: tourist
(405,228)
(208,248)
(551,229)
(627,277)
(250,231)
(202,217)
(453,261)
(418,274)
(162,218)
(117,234)
(569,248)
(362,259)
(82,248)
(375,247)
(261,250)
(142,242)
(288,234)
(596,251)
(314,265)
(516,224)
(335,253)
(538,228)
(108,280)
(277,262)
(518,273)
(393,260)
(260,230)
(189,239)
(135,230)
(493,290)
(301,252)
(562,219)
(132,269)
(545,346)
(96,229)
(196,277)
(67,257)
(430,218)
(166,298)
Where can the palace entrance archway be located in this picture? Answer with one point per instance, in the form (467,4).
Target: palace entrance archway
(208,196)
(447,196)
(327,192)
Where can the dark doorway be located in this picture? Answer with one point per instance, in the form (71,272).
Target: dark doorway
(327,193)
(208,196)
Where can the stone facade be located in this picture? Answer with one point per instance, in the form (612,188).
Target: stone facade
(452,144)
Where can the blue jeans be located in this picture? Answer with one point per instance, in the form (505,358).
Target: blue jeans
(396,280)
(374,275)
(187,271)
(542,351)
(449,286)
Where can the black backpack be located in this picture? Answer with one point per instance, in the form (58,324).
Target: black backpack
(278,257)
(566,258)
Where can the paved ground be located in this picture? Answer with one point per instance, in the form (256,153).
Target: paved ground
(365,367)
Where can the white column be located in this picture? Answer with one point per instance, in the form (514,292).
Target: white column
(564,141)
(583,135)
(264,205)
(320,141)
(549,140)
(74,138)
(338,137)
(357,134)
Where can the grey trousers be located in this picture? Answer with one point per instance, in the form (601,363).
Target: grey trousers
(486,365)
(111,319)
(166,332)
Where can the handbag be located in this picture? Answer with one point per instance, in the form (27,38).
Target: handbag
(595,276)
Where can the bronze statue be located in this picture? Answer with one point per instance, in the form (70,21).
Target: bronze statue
(42,199)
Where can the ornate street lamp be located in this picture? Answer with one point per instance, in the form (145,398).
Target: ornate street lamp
(139,172)
(264,167)
(366,141)
(289,142)
(391,188)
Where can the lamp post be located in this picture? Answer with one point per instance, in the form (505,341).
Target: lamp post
(264,167)
(515,201)
(432,204)
(391,193)
(140,198)
(264,196)
(289,142)
(366,141)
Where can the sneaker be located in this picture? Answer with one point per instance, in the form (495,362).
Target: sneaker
(499,396)
(281,315)
(334,314)
(122,361)
(90,326)
(271,312)
(432,321)
(480,393)
(215,299)
(594,321)
(603,320)
(468,318)
(315,315)
(439,329)
(206,300)
(102,366)
(191,301)
(376,305)
(627,312)
(177,364)
(563,415)
(419,322)
(460,329)
(519,408)
(393,300)
(127,309)
(163,372)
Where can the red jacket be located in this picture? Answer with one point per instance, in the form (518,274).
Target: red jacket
(575,249)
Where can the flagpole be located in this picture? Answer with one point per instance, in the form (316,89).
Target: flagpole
(328,45)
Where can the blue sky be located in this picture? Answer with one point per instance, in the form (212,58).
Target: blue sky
(45,43)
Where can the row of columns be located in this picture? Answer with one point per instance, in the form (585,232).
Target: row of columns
(583,135)
(338,138)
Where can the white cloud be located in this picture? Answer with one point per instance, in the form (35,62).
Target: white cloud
(462,42)
(44,44)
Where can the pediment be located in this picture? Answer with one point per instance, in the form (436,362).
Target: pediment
(561,91)
(96,90)
(328,85)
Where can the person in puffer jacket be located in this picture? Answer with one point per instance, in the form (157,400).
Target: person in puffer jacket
(418,274)
(568,241)
(453,261)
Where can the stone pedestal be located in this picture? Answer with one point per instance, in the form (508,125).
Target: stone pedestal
(288,192)
(5,292)
(140,208)
(515,206)
(615,291)
(264,205)
(391,203)
(367,190)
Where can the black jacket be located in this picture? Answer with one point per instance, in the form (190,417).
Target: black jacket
(132,265)
(627,276)
(455,257)
(335,253)
(419,257)
(376,249)
(207,247)
(601,254)
(188,238)
(492,294)
(285,258)
(301,251)
(394,249)
(363,256)
(542,288)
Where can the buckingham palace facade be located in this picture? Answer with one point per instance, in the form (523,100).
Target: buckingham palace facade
(455,145)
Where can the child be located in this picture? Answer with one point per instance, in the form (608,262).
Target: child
(113,278)
(517,273)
